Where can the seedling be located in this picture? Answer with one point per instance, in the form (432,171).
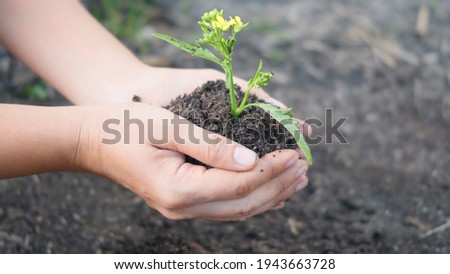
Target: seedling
(220,34)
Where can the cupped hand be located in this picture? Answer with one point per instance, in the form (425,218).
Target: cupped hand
(149,159)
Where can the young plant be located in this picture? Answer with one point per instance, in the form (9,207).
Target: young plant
(220,34)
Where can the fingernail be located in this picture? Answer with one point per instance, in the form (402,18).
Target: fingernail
(301,185)
(300,172)
(244,157)
(307,130)
(275,102)
(302,182)
(291,162)
(279,206)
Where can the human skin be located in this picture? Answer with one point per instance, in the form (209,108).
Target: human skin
(62,43)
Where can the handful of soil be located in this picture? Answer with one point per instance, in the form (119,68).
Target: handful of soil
(209,107)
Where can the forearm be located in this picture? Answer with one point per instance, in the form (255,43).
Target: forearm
(67,47)
(39,139)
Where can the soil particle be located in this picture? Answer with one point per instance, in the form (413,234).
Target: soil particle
(136,98)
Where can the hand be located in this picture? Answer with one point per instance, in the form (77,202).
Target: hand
(156,172)
(239,186)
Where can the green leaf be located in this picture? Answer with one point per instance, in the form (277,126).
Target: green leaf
(252,82)
(195,50)
(261,79)
(284,117)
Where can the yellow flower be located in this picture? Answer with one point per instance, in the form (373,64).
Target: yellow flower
(220,23)
(238,20)
(238,26)
(209,16)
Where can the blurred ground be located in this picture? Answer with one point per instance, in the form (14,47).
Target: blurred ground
(385,192)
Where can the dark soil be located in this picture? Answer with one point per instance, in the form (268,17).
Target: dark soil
(385,192)
(209,107)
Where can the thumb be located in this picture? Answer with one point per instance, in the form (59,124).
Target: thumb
(221,153)
(209,148)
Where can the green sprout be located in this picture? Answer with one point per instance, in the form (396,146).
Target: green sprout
(220,34)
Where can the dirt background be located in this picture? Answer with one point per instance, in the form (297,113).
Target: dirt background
(387,191)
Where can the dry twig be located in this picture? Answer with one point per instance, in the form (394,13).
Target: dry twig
(436,230)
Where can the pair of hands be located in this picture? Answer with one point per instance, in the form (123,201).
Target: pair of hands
(237,187)
(89,66)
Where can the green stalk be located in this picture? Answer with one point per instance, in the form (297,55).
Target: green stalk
(229,82)
(242,106)
(247,106)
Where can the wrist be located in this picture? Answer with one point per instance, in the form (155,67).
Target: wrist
(85,142)
(71,131)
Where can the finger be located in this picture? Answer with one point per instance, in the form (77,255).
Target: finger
(282,197)
(241,211)
(279,201)
(200,185)
(278,207)
(243,208)
(304,127)
(207,147)
(303,183)
(300,153)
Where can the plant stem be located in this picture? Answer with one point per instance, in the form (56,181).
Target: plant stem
(242,105)
(230,85)
(240,110)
